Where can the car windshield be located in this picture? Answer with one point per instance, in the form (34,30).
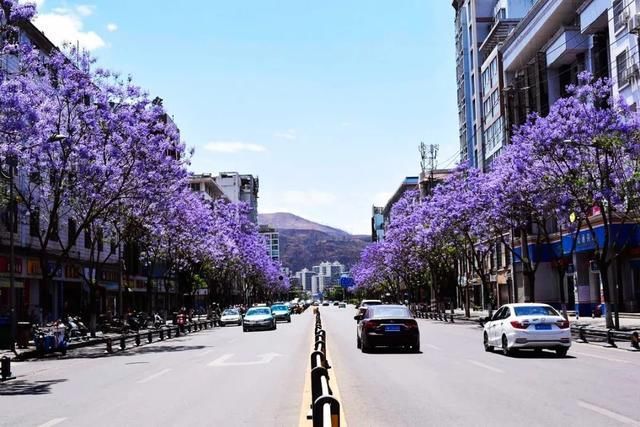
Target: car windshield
(536,310)
(230,312)
(390,311)
(258,311)
(279,308)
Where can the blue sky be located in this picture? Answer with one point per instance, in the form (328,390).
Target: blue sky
(325,101)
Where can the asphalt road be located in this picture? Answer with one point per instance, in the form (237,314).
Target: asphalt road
(219,377)
(453,382)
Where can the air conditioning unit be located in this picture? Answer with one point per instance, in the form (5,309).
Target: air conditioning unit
(633,24)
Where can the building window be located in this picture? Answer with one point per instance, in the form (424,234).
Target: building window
(619,14)
(34,223)
(71,231)
(621,65)
(195,186)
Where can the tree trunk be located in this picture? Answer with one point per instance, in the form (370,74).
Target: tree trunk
(92,307)
(563,301)
(604,277)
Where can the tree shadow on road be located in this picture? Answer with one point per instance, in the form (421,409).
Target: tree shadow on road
(23,387)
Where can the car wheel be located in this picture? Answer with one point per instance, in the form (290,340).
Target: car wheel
(239,323)
(505,346)
(358,343)
(487,347)
(289,320)
(222,324)
(364,346)
(275,325)
(244,329)
(561,351)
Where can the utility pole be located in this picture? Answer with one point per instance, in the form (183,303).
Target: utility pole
(428,165)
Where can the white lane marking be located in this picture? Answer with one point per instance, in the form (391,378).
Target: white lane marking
(154,376)
(607,413)
(52,422)
(262,359)
(482,365)
(610,359)
(433,347)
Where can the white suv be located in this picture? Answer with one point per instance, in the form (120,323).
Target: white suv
(530,325)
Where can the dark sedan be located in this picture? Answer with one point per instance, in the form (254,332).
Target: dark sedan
(387,326)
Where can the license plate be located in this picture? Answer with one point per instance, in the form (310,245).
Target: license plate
(392,328)
(543,327)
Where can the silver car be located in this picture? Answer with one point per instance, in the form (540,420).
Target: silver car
(231,316)
(259,318)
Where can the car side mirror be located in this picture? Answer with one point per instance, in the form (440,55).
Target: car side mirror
(487,319)
(357,317)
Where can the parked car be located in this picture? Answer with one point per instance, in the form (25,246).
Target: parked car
(281,312)
(528,325)
(258,318)
(388,326)
(231,316)
(336,303)
(362,307)
(342,305)
(325,304)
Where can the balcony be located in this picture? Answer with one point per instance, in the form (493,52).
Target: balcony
(565,45)
(593,16)
(534,31)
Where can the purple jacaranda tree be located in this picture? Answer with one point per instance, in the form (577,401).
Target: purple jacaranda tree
(589,145)
(454,212)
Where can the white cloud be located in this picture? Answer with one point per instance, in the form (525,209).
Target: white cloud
(111,27)
(65,25)
(289,134)
(233,147)
(85,9)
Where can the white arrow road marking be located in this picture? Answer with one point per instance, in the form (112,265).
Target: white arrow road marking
(52,422)
(154,376)
(607,413)
(262,359)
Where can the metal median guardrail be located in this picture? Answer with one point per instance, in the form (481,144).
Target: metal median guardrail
(610,336)
(325,408)
(162,333)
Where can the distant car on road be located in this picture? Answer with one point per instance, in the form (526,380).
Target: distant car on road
(281,312)
(342,305)
(335,303)
(362,307)
(528,325)
(231,316)
(325,304)
(388,326)
(258,318)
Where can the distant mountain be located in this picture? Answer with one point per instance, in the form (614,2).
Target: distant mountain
(304,243)
(288,221)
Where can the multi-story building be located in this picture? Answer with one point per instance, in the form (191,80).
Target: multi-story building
(531,52)
(240,188)
(377,224)
(481,26)
(271,241)
(408,183)
(206,185)
(472,24)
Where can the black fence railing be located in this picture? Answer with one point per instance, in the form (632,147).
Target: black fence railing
(325,408)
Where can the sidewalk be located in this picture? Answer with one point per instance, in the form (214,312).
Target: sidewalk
(627,320)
